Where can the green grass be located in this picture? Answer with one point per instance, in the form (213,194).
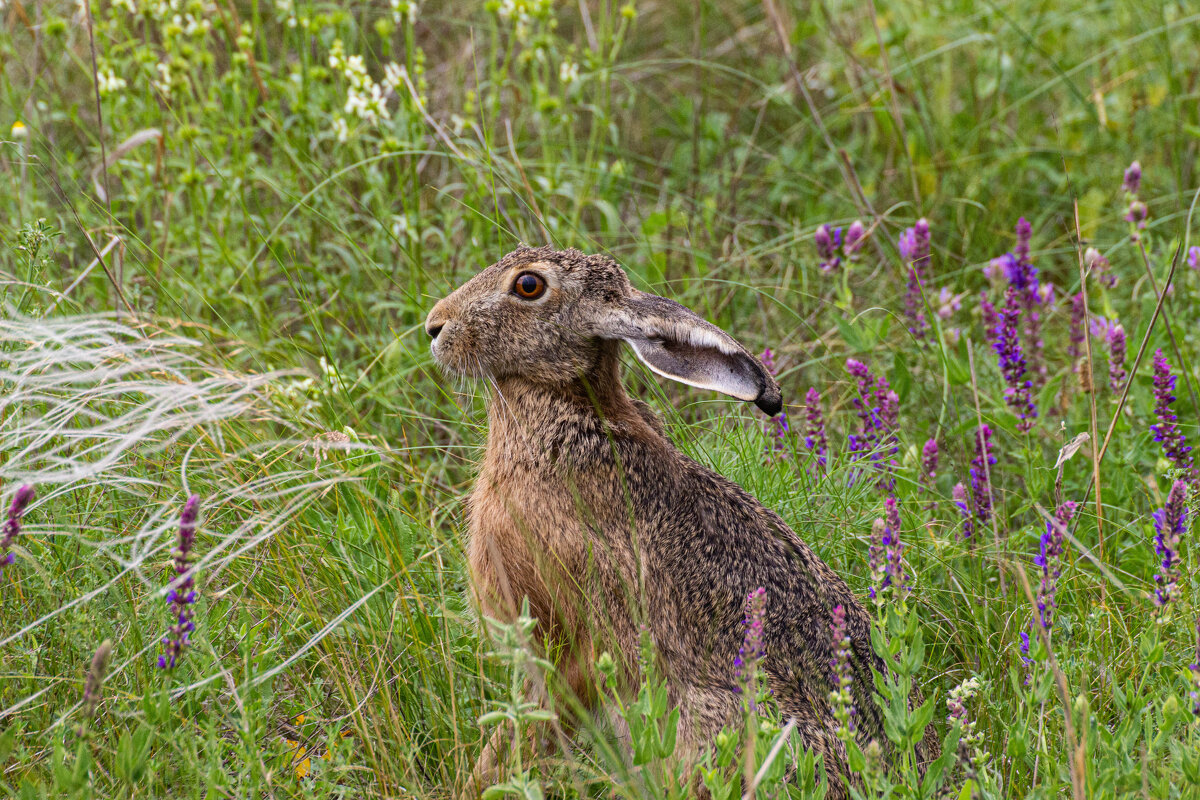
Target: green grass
(266,285)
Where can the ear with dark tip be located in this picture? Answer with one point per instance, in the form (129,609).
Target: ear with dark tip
(677,344)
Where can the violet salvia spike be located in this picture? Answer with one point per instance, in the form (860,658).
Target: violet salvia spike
(1019,391)
(1116,359)
(959,496)
(753,647)
(894,549)
(914,246)
(877,561)
(12,526)
(1170,523)
(841,698)
(815,437)
(929,465)
(1166,431)
(181,596)
(1049,560)
(981,473)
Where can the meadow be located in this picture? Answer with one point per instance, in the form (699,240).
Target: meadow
(962,232)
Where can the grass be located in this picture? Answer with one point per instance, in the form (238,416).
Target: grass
(215,277)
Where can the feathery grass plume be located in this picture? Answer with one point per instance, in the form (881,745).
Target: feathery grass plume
(841,697)
(1174,443)
(959,495)
(1077,333)
(12,527)
(753,646)
(1007,344)
(1116,358)
(93,685)
(777,426)
(1136,213)
(1170,523)
(914,246)
(182,594)
(981,474)
(894,550)
(877,561)
(815,437)
(1049,560)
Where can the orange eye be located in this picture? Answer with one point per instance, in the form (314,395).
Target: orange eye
(529,285)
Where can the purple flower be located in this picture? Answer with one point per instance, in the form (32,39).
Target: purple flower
(893,548)
(959,495)
(777,426)
(1025,659)
(12,528)
(840,698)
(877,407)
(949,303)
(815,438)
(1170,523)
(1116,359)
(1019,394)
(991,320)
(1193,257)
(854,238)
(914,248)
(1133,178)
(981,468)
(877,561)
(1049,559)
(1099,266)
(1023,277)
(182,593)
(1075,340)
(753,644)
(929,464)
(828,241)
(1174,443)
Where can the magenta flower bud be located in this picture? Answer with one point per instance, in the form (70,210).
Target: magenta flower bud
(1167,432)
(1193,258)
(1133,178)
(854,237)
(12,527)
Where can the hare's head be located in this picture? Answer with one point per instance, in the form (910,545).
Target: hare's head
(544,315)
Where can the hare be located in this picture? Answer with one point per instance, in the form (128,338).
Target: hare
(584,508)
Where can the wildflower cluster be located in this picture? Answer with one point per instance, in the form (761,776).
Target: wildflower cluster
(1170,523)
(981,467)
(877,560)
(1166,431)
(929,465)
(1007,344)
(878,409)
(182,592)
(970,741)
(815,437)
(12,526)
(832,247)
(753,647)
(841,698)
(365,98)
(893,549)
(959,496)
(914,246)
(1099,267)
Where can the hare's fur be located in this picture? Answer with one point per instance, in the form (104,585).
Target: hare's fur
(585,507)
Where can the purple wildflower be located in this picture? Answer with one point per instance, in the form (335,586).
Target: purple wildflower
(877,407)
(893,548)
(981,470)
(877,561)
(1019,394)
(959,495)
(1025,652)
(828,241)
(1075,340)
(1195,670)
(777,426)
(929,465)
(991,319)
(753,644)
(1193,257)
(1137,212)
(840,698)
(949,303)
(1116,359)
(914,248)
(12,528)
(1100,267)
(1175,446)
(182,594)
(815,438)
(854,238)
(1170,523)
(1023,277)
(1133,178)
(1049,559)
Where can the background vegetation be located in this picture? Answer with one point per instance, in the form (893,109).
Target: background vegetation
(223,223)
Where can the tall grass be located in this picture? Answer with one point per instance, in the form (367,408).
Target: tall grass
(221,234)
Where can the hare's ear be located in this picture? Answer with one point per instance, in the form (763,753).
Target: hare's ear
(677,344)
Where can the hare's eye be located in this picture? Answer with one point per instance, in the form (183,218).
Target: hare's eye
(529,285)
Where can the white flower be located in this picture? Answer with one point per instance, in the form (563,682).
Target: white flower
(164,82)
(341,129)
(393,75)
(568,72)
(108,82)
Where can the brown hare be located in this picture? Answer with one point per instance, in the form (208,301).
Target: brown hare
(585,507)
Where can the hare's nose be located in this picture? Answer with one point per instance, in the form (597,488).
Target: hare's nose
(433,329)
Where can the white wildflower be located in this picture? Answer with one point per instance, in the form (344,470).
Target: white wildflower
(568,72)
(341,129)
(108,82)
